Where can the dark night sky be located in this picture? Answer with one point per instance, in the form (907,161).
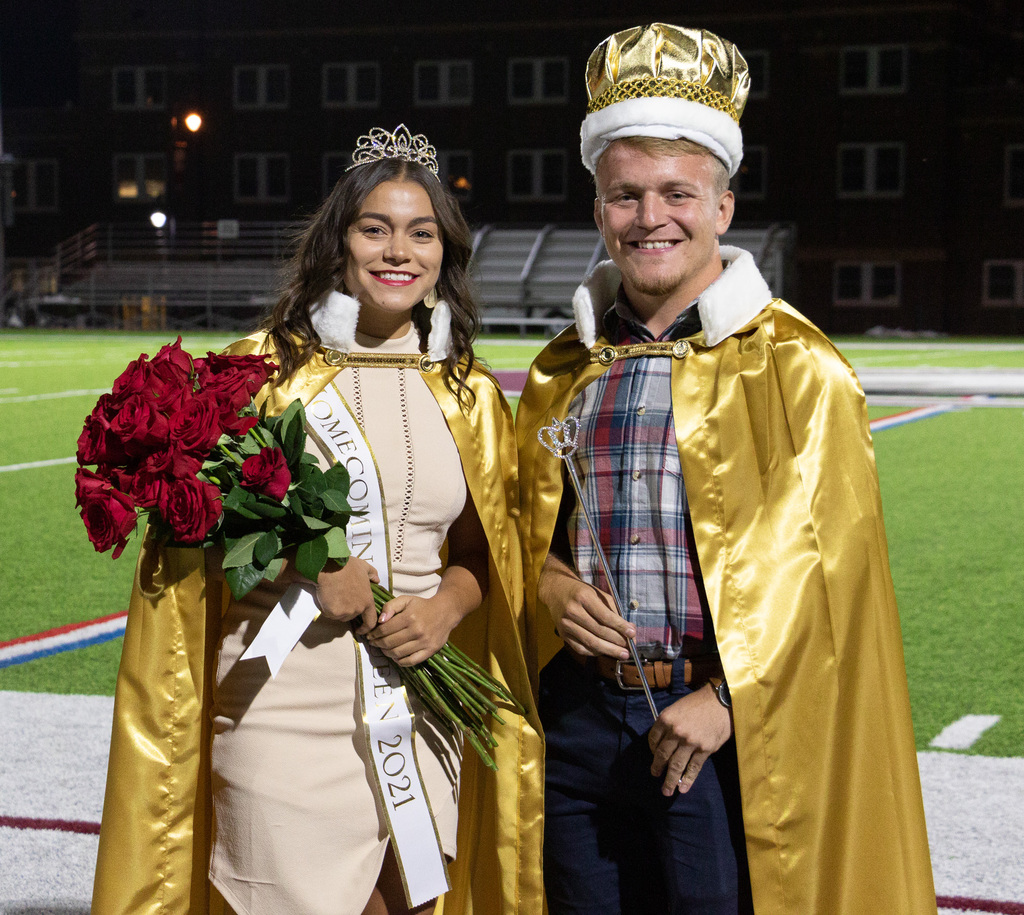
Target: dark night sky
(37,63)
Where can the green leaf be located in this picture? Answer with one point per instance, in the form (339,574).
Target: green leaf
(310,557)
(292,434)
(315,524)
(239,553)
(273,569)
(267,547)
(337,545)
(336,477)
(238,498)
(335,501)
(267,508)
(243,579)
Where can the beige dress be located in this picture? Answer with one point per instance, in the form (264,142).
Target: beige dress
(297,825)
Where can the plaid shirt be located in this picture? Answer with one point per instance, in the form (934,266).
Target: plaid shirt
(629,468)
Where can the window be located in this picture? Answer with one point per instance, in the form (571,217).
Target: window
(140,87)
(444,82)
(873,70)
(537,80)
(455,168)
(536,174)
(35,185)
(752,178)
(261,177)
(1015,175)
(870,170)
(1003,283)
(335,164)
(867,284)
(140,176)
(261,87)
(757,67)
(355,85)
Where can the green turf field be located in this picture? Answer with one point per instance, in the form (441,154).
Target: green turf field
(952,487)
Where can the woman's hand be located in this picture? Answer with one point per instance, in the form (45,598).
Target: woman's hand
(344,593)
(411,629)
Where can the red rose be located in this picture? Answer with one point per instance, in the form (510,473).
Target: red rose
(133,380)
(267,473)
(191,509)
(109,515)
(172,379)
(97,444)
(148,485)
(252,371)
(196,426)
(139,426)
(174,358)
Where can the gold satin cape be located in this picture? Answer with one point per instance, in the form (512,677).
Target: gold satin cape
(154,849)
(779,469)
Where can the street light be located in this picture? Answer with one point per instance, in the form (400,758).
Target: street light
(193,121)
(158,219)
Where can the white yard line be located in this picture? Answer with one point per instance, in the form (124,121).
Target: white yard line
(55,395)
(964,734)
(33,465)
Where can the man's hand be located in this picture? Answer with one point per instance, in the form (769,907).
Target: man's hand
(685,735)
(584,617)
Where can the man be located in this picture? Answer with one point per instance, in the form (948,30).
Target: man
(725,459)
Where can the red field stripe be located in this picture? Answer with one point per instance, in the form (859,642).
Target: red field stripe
(60,630)
(51,825)
(965,904)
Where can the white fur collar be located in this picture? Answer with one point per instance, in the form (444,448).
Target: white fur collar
(335,317)
(731,301)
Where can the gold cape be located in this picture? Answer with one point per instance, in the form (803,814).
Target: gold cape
(777,459)
(155,838)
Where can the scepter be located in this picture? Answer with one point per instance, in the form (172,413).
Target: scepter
(562,440)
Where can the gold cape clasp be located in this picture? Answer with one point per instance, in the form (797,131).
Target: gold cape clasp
(339,359)
(607,354)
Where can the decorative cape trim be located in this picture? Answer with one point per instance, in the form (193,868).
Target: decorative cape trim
(731,301)
(666,118)
(335,318)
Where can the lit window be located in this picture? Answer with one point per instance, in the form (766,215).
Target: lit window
(261,177)
(263,86)
(139,87)
(140,176)
(536,174)
(1015,174)
(1003,283)
(870,170)
(35,185)
(752,177)
(537,80)
(867,284)
(444,82)
(353,85)
(455,169)
(875,69)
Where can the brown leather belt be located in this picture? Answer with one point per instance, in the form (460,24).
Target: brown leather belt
(697,670)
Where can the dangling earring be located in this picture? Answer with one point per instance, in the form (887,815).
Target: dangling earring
(430,299)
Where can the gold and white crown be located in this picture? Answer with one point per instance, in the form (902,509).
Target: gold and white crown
(661,80)
(381,144)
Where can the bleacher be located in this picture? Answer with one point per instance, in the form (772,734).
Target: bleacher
(111,277)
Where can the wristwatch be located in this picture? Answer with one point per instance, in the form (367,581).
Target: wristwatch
(721,689)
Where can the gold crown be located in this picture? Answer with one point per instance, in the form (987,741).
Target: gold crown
(380,144)
(666,61)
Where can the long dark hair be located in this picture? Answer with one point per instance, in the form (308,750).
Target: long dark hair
(318,267)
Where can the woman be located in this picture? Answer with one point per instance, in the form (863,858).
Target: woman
(298,823)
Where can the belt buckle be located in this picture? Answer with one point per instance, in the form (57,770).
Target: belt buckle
(618,677)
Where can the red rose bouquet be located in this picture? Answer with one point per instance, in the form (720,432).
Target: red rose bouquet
(179,441)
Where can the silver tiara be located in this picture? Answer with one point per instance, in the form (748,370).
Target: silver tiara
(380,144)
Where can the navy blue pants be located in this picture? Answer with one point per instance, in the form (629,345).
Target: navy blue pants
(613,844)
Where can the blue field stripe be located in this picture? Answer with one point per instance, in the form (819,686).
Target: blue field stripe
(57,649)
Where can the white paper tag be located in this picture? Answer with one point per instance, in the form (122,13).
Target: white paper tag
(282,630)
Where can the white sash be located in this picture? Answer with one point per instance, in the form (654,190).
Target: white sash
(387,717)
